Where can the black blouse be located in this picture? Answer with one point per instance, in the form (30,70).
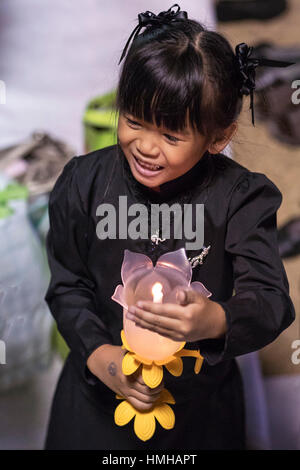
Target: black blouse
(242,269)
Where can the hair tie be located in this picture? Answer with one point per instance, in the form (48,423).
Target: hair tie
(150,19)
(247,66)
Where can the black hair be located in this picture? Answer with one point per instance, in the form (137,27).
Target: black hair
(181,73)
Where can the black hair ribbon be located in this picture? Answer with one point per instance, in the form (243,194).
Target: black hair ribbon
(148,18)
(247,66)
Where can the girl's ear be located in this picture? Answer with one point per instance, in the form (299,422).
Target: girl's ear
(220,143)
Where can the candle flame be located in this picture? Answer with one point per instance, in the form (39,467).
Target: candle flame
(157,293)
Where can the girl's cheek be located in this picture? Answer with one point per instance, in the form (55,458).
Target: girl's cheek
(121,138)
(123,133)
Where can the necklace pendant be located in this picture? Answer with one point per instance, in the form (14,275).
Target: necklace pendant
(155,239)
(199,258)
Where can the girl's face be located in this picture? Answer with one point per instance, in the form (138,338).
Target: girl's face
(155,154)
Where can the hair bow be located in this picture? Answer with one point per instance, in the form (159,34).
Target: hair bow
(150,19)
(247,66)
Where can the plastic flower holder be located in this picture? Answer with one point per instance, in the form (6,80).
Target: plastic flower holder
(147,349)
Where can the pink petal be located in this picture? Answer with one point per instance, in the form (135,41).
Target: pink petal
(199,287)
(133,261)
(118,295)
(176,260)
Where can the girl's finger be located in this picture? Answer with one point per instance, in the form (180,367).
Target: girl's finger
(189,296)
(167,310)
(145,318)
(181,297)
(172,331)
(139,405)
(140,385)
(143,395)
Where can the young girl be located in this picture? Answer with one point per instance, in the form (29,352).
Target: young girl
(179,96)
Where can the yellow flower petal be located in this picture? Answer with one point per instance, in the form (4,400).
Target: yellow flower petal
(165,361)
(189,352)
(124,341)
(198,364)
(119,397)
(144,425)
(129,364)
(152,375)
(175,367)
(143,360)
(164,415)
(166,397)
(124,413)
(180,347)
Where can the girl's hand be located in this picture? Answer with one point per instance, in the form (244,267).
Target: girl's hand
(195,318)
(106,364)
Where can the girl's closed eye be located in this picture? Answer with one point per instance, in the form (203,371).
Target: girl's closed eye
(131,122)
(172,138)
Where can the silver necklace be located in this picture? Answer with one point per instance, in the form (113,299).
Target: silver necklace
(199,258)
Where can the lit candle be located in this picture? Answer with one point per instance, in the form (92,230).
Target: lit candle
(157,293)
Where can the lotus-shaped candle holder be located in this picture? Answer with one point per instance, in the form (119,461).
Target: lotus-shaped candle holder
(142,281)
(159,283)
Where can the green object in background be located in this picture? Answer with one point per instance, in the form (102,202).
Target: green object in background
(59,343)
(100,122)
(5,211)
(10,192)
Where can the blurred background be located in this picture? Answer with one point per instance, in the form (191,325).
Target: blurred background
(58,75)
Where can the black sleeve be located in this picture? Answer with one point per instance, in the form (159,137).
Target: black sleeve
(261,307)
(71,291)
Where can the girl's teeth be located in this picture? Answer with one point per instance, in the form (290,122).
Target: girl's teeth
(150,167)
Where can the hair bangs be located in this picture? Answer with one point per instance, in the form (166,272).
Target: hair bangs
(156,88)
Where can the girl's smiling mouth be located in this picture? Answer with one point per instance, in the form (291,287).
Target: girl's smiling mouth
(145,169)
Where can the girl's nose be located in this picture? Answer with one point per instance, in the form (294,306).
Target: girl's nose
(147,148)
